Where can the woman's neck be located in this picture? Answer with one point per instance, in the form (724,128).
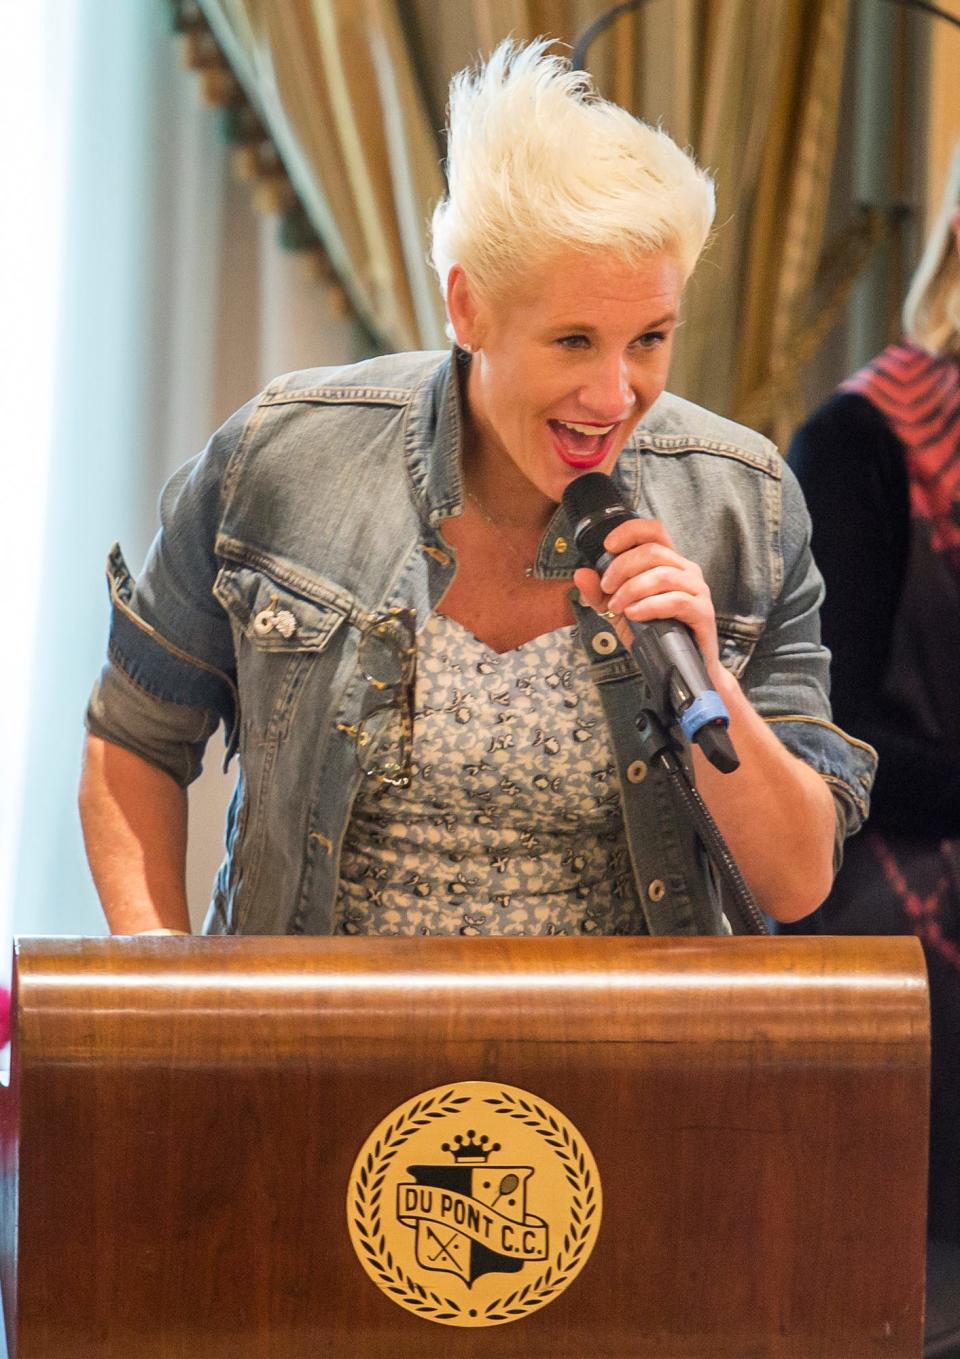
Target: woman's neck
(493,481)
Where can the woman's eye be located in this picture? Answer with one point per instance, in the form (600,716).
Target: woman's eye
(573,341)
(652,339)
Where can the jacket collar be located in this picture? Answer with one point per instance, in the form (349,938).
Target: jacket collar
(433,441)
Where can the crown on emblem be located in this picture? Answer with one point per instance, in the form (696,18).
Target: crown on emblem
(473,1151)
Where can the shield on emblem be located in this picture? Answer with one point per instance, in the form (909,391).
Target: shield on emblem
(465,1227)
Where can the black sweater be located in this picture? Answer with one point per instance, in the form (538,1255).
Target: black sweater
(852,470)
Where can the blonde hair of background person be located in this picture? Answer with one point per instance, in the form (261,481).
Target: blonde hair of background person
(931,310)
(537,163)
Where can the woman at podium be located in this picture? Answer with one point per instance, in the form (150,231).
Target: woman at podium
(370,580)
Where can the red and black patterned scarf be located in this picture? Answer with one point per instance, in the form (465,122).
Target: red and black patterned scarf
(920,397)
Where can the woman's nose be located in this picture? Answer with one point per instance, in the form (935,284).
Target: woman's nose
(608,393)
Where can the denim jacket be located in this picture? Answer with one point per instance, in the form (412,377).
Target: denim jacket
(319,506)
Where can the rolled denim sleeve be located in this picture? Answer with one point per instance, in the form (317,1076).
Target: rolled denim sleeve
(171,678)
(788,676)
(170,736)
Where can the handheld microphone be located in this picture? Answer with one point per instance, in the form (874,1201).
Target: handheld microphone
(664,649)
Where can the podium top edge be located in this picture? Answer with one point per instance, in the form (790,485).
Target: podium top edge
(790,989)
(786,956)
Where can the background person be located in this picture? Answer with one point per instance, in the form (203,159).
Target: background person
(879,464)
(366,576)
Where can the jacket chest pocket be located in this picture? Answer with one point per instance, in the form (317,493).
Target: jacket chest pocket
(283,639)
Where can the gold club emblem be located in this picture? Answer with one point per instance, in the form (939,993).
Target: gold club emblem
(474,1204)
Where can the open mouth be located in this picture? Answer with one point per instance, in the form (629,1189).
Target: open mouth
(582,445)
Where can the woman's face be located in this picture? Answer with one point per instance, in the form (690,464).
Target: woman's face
(567,365)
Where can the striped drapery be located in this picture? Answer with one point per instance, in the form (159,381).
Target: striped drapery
(786,231)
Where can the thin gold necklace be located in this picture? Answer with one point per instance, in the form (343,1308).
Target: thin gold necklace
(525,566)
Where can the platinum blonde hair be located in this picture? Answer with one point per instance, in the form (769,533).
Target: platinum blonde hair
(931,312)
(537,163)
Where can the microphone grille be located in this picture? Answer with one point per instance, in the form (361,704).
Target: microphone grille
(594,506)
(589,494)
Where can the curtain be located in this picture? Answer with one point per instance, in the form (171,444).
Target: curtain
(333,83)
(786,233)
(175,304)
(353,93)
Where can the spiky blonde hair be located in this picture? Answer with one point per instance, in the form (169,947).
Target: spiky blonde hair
(537,163)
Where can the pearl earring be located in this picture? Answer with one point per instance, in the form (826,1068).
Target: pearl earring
(467,348)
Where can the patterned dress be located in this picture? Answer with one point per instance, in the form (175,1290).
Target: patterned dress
(511,822)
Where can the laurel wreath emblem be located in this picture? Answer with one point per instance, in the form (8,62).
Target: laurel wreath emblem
(365,1209)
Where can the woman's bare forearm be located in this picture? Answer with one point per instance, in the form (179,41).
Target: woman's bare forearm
(775,812)
(134,820)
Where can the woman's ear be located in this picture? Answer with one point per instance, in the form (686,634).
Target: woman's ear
(462,309)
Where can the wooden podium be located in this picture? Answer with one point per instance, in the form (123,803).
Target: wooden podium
(189,1171)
